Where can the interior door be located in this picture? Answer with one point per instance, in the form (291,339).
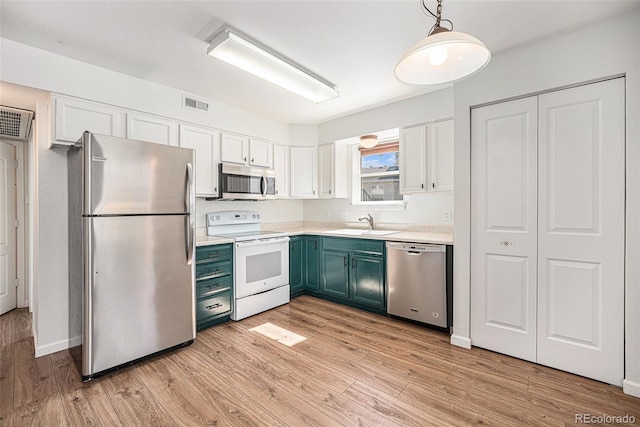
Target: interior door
(503,227)
(581,230)
(7,227)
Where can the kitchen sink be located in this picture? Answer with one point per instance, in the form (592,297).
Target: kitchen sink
(357,232)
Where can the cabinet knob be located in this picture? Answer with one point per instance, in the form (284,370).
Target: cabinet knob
(421,185)
(314,191)
(244,158)
(276,191)
(252,160)
(433,185)
(329,191)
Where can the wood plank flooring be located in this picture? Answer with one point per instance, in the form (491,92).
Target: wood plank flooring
(354,369)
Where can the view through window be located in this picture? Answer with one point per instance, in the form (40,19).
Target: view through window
(379,173)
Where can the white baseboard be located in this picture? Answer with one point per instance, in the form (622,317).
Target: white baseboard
(56,346)
(460,341)
(631,388)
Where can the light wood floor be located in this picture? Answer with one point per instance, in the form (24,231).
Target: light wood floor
(355,368)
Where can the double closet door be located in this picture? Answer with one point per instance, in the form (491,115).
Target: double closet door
(547,229)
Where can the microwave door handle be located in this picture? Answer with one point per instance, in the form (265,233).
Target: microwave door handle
(263,185)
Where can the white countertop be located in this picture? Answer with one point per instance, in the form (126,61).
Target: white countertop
(436,236)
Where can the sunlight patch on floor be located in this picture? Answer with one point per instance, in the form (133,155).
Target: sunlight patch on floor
(279,334)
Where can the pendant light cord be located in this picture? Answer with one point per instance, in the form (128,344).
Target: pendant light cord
(437,16)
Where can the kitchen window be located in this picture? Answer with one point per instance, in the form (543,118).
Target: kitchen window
(376,174)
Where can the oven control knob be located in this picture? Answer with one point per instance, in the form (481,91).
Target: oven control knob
(253,216)
(258,216)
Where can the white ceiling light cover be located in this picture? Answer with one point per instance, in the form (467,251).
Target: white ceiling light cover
(443,57)
(240,51)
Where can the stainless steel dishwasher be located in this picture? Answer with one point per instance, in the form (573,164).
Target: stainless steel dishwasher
(417,282)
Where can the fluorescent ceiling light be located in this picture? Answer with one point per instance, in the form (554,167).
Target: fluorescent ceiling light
(444,56)
(237,49)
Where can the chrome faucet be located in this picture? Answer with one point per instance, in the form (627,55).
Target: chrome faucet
(369,219)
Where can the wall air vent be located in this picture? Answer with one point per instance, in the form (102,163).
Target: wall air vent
(15,123)
(190,102)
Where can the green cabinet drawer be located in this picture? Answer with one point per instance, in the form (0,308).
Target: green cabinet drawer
(211,270)
(370,247)
(212,286)
(214,253)
(212,306)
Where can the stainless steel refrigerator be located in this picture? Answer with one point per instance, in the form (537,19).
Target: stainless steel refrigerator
(131,228)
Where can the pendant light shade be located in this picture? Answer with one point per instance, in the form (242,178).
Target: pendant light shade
(443,56)
(368,141)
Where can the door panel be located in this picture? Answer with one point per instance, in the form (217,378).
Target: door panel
(581,230)
(140,289)
(134,177)
(503,227)
(367,280)
(335,277)
(7,229)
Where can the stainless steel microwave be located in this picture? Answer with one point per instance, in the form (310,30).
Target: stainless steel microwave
(237,182)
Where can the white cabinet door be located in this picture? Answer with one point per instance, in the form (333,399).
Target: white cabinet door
(7,228)
(503,228)
(205,142)
(581,230)
(260,153)
(73,117)
(281,166)
(440,156)
(547,229)
(413,159)
(304,172)
(326,171)
(234,148)
(145,127)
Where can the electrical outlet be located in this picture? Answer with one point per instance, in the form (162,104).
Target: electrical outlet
(278,215)
(447,215)
(328,214)
(344,215)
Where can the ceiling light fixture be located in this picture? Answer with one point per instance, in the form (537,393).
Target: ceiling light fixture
(444,56)
(238,49)
(368,141)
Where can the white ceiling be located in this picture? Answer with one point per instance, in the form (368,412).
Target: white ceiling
(353,44)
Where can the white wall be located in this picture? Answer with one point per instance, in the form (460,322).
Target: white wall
(39,69)
(606,49)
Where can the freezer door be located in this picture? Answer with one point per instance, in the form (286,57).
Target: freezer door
(138,289)
(133,177)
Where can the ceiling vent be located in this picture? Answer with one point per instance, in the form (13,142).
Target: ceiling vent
(15,123)
(190,102)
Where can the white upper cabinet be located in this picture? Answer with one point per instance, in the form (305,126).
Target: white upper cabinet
(440,156)
(260,153)
(332,171)
(206,143)
(234,148)
(413,160)
(145,127)
(74,116)
(426,158)
(304,172)
(241,150)
(281,166)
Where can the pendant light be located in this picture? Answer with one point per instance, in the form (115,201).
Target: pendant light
(444,56)
(368,141)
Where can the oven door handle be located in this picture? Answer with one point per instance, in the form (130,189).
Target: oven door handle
(262,242)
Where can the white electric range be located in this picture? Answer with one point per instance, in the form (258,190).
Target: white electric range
(261,261)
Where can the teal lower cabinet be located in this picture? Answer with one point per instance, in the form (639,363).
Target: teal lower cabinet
(312,263)
(296,266)
(335,274)
(214,284)
(353,271)
(366,280)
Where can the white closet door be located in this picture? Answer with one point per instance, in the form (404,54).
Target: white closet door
(503,227)
(581,230)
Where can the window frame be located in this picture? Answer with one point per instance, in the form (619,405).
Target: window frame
(356,186)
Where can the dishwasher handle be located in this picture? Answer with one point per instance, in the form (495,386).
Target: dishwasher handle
(415,248)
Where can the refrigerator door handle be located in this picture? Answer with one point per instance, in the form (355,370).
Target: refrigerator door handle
(190,202)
